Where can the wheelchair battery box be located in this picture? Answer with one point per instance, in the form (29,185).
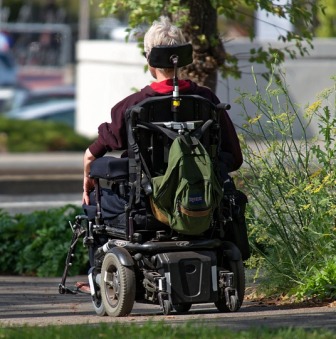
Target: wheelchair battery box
(191,277)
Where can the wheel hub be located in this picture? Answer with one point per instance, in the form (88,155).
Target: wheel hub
(112,280)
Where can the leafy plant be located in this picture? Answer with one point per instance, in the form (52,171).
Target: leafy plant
(37,243)
(199,21)
(291,184)
(319,282)
(326,27)
(40,136)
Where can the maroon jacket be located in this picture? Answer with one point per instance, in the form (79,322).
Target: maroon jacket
(112,136)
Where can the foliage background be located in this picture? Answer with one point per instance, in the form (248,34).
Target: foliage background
(37,243)
(291,213)
(39,136)
(291,186)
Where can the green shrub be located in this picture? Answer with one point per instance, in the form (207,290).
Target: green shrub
(291,187)
(40,136)
(37,243)
(319,281)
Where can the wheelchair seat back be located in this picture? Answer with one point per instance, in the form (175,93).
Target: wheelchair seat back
(154,144)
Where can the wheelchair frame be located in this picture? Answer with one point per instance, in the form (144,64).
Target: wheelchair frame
(149,262)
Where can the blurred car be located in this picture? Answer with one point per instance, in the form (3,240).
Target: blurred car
(8,79)
(17,97)
(8,70)
(6,96)
(60,111)
(25,97)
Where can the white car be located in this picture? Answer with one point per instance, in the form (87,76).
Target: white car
(59,111)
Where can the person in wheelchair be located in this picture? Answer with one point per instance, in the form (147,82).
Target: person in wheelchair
(112,135)
(136,254)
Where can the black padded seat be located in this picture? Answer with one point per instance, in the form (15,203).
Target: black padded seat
(109,168)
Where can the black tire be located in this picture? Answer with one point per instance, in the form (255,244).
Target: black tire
(99,306)
(237,267)
(182,308)
(117,286)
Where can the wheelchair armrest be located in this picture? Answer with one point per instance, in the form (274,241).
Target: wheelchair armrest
(224,105)
(109,168)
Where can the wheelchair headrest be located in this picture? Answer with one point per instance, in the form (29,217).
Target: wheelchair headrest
(161,56)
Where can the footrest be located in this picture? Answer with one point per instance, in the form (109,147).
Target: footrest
(65,290)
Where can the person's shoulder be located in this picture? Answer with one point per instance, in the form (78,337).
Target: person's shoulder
(199,88)
(134,98)
(142,93)
(204,91)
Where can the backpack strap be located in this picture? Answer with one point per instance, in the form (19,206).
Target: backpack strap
(189,140)
(134,161)
(198,133)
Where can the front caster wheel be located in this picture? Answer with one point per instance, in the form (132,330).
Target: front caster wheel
(117,286)
(167,307)
(229,302)
(233,303)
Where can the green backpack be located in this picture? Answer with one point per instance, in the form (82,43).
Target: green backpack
(186,196)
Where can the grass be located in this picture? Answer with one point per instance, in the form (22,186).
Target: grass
(160,330)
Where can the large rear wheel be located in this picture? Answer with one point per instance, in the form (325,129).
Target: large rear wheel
(117,286)
(231,302)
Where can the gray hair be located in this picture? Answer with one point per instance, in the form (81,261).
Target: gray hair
(161,33)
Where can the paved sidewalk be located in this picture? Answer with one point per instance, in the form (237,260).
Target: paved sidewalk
(36,301)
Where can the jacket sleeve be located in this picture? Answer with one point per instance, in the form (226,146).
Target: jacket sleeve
(112,135)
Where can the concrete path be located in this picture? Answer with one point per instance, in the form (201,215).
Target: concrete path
(36,301)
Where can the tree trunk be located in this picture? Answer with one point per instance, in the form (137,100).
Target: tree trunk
(202,31)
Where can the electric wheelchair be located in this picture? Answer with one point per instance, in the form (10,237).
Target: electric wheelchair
(135,257)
